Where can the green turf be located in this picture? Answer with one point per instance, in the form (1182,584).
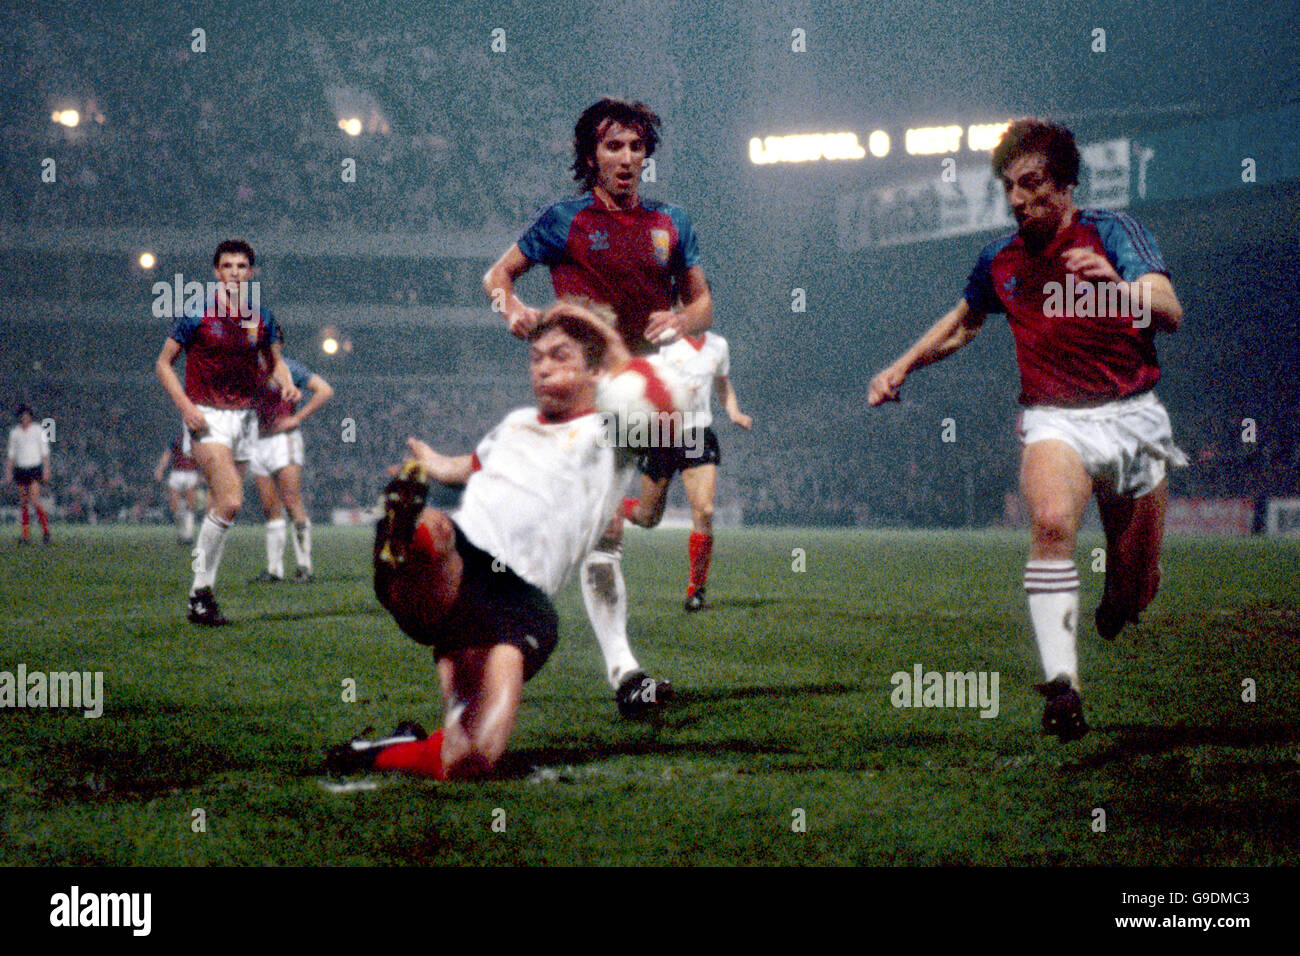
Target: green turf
(784,706)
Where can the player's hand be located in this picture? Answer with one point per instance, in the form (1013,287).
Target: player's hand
(195,421)
(663,327)
(287,424)
(885,386)
(292,394)
(158,474)
(743,420)
(1088,264)
(522,319)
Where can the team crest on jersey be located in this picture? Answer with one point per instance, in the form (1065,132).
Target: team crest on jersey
(662,245)
(599,240)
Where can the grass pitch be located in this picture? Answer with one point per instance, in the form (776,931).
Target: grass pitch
(782,748)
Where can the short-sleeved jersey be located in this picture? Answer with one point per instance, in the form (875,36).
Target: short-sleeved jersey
(28,446)
(697,362)
(180,460)
(629,260)
(222,353)
(271,407)
(543,491)
(1076,358)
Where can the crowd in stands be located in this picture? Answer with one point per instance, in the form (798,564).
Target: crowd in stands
(252,138)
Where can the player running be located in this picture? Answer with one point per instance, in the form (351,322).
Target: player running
(701,363)
(1092,422)
(276,465)
(477,584)
(635,256)
(182,473)
(224,344)
(27,464)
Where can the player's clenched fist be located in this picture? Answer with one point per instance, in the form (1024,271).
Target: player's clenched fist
(523,320)
(1089,264)
(885,386)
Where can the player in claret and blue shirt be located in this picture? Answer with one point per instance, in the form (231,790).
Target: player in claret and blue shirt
(1084,292)
(609,246)
(229,344)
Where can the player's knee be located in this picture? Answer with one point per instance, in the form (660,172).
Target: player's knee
(1054,525)
(703,518)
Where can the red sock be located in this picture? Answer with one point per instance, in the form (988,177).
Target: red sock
(45,522)
(701,549)
(26,522)
(629,505)
(423,757)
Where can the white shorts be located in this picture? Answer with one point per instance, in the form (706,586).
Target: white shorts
(236,428)
(276,451)
(182,480)
(1129,443)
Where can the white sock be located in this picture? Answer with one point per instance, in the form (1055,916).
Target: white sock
(605,596)
(275,535)
(187,524)
(1053,590)
(302,544)
(207,551)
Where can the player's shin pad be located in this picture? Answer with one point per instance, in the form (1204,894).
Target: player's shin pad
(605,597)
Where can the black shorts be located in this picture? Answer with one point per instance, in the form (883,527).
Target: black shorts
(492,607)
(660,464)
(25,476)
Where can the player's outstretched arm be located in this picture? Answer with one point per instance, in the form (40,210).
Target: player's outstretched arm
(727,395)
(946,336)
(499,284)
(443,469)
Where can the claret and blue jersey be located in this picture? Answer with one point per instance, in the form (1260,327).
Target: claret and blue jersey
(222,352)
(1071,359)
(629,260)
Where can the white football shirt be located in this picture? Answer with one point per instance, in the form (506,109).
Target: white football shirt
(27,446)
(696,366)
(543,492)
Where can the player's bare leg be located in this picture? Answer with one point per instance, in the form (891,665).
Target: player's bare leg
(701,485)
(1135,528)
(225,479)
(276,533)
(648,510)
(489,681)
(288,481)
(1056,488)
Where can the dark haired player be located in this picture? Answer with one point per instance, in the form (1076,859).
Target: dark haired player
(227,346)
(27,464)
(1092,422)
(278,458)
(613,248)
(477,584)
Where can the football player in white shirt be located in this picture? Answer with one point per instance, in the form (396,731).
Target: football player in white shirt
(701,363)
(477,584)
(28,465)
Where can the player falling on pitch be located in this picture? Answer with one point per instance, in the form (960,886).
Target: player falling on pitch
(701,363)
(278,458)
(27,464)
(477,584)
(225,344)
(182,473)
(1092,422)
(610,246)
